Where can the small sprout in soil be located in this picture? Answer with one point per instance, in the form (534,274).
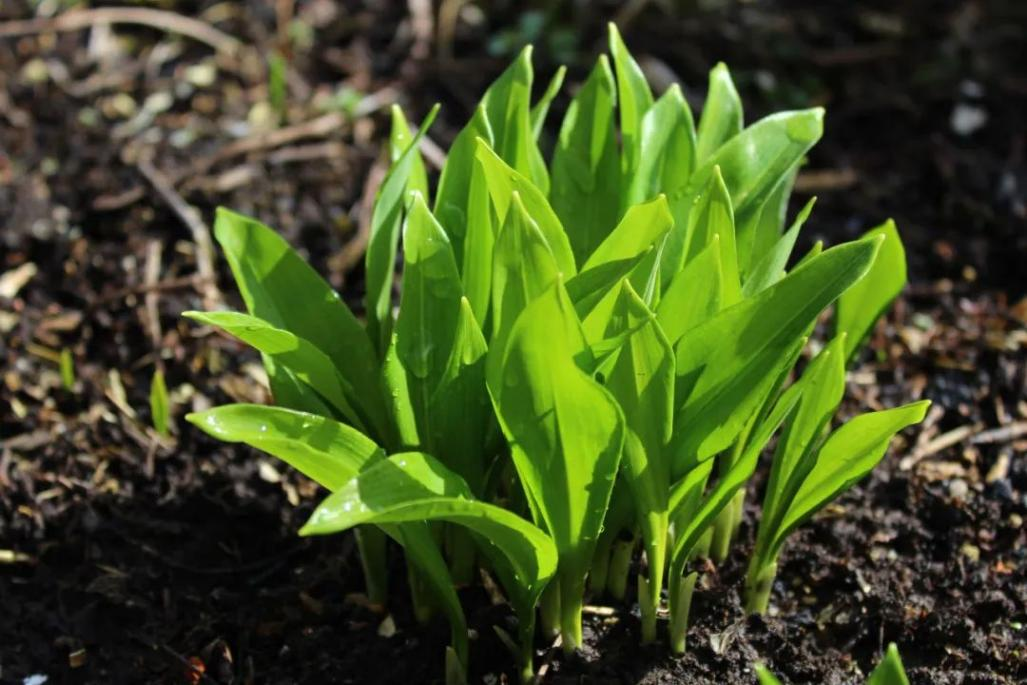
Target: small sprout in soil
(160,405)
(277,83)
(67,367)
(588,357)
(889,672)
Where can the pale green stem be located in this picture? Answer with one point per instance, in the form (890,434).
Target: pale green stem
(680,606)
(598,575)
(647,606)
(527,636)
(572,593)
(649,588)
(738,505)
(460,547)
(720,543)
(549,610)
(620,567)
(758,583)
(702,547)
(373,549)
(420,595)
(454,669)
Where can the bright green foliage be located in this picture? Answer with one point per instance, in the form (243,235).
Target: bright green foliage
(888,672)
(588,356)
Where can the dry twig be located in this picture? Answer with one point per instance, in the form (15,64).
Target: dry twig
(354,249)
(151,274)
(162,20)
(200,232)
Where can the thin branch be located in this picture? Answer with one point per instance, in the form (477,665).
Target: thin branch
(162,20)
(200,231)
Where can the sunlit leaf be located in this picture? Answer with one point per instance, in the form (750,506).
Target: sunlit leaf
(269,275)
(862,304)
(721,118)
(727,366)
(386,220)
(586,166)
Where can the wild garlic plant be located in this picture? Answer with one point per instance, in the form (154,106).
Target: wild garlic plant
(580,345)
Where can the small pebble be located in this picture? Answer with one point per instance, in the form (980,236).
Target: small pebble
(967,119)
(971,552)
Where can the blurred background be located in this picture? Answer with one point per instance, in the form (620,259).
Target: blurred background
(122,127)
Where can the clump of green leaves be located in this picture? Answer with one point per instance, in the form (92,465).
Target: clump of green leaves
(579,346)
(889,672)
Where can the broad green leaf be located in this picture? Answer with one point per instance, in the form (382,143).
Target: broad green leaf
(862,304)
(721,118)
(890,671)
(541,108)
(386,221)
(770,268)
(414,487)
(507,105)
(846,457)
(727,366)
(400,139)
(160,408)
(271,277)
(502,181)
(586,167)
(765,676)
(621,251)
(523,269)
(754,161)
(441,347)
(333,454)
(694,296)
(308,363)
(430,302)
(667,143)
(822,386)
(479,243)
(461,410)
(634,99)
(454,198)
(396,384)
(642,382)
(564,429)
(326,451)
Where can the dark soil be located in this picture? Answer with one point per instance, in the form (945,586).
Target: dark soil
(126,558)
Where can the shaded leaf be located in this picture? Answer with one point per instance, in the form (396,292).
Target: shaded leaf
(770,268)
(303,359)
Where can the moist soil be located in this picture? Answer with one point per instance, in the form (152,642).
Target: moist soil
(130,558)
